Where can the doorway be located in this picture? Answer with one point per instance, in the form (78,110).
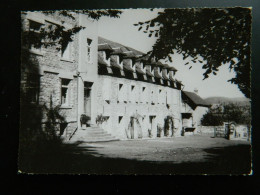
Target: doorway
(87,98)
(151,125)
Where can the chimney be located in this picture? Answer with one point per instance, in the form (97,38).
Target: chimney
(196,91)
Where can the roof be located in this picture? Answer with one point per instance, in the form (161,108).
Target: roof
(156,73)
(128,67)
(101,61)
(104,47)
(138,68)
(164,74)
(118,51)
(113,45)
(172,68)
(114,63)
(196,99)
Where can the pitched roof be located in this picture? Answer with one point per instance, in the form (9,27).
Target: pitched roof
(196,99)
(113,44)
(104,47)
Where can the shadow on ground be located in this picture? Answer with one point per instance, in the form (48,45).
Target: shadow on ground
(72,159)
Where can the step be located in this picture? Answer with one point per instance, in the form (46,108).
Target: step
(94,137)
(100,140)
(92,134)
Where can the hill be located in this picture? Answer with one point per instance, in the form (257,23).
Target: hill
(224,100)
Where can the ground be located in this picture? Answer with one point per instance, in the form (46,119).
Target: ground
(174,150)
(181,155)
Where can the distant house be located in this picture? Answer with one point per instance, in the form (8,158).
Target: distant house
(193,108)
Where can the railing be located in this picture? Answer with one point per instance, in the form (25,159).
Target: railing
(73,133)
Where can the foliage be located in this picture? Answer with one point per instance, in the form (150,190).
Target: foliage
(100,119)
(168,122)
(54,118)
(58,35)
(219,36)
(225,113)
(134,118)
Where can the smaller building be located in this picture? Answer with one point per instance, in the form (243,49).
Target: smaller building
(192,110)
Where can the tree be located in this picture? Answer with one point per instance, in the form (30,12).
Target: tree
(219,36)
(240,114)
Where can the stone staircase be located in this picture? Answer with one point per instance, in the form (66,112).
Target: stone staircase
(91,135)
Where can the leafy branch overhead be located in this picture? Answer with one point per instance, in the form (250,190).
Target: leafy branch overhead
(218,36)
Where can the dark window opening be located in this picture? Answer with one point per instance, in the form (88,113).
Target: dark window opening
(89,41)
(35,26)
(120,119)
(132,87)
(120,86)
(33,82)
(64,91)
(63,126)
(143,89)
(87,89)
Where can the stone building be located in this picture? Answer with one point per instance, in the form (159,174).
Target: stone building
(124,93)
(193,109)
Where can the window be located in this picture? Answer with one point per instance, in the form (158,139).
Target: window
(132,93)
(143,94)
(33,81)
(87,89)
(89,41)
(122,93)
(152,97)
(34,34)
(35,26)
(65,91)
(66,51)
(120,119)
(120,86)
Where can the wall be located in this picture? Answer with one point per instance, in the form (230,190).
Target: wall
(126,102)
(87,68)
(198,114)
(52,67)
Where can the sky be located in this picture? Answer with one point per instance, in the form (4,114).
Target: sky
(123,31)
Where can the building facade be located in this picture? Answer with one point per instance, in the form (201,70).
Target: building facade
(101,79)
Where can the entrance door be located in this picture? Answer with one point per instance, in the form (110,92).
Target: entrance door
(87,98)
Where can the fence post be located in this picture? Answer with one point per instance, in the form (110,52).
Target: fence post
(214,132)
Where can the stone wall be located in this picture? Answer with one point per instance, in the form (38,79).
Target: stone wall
(49,64)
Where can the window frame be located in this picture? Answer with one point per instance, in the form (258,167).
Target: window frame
(89,50)
(67,97)
(33,81)
(32,48)
(68,50)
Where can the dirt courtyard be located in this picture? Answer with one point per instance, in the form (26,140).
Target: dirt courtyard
(175,150)
(193,155)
